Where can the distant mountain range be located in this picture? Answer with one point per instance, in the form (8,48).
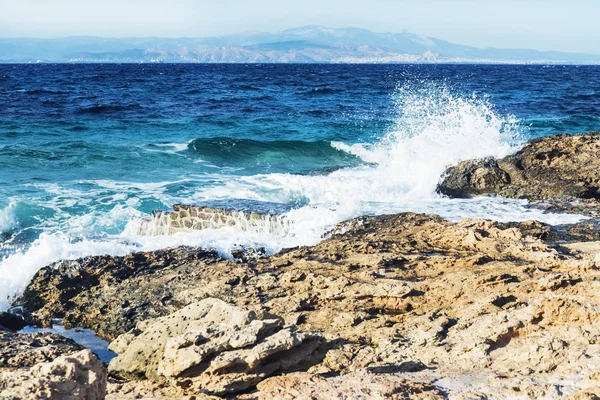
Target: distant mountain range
(309,44)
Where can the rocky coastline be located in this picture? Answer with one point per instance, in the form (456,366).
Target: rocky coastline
(406,306)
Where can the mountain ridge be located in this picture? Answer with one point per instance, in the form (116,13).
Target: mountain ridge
(312,43)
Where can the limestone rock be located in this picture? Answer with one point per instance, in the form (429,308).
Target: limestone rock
(406,292)
(360,386)
(26,350)
(213,347)
(79,376)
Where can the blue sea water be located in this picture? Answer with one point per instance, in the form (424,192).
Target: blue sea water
(87,151)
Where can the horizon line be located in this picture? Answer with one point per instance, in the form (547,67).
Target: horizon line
(288,29)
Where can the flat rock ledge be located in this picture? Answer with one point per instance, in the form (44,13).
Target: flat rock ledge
(559,168)
(213,347)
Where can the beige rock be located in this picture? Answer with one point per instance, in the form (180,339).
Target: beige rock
(360,386)
(213,347)
(140,354)
(407,292)
(80,376)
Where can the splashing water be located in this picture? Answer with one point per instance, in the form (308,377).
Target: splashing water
(434,129)
(7,217)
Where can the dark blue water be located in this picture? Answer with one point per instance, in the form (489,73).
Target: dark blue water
(86,149)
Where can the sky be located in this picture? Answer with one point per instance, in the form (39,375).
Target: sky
(563,25)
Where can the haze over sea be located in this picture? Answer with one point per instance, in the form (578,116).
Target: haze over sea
(87,151)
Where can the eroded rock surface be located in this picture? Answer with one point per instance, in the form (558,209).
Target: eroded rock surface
(213,347)
(400,295)
(79,376)
(18,350)
(554,167)
(44,365)
(57,291)
(359,386)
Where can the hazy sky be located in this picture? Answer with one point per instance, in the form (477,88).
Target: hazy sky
(566,25)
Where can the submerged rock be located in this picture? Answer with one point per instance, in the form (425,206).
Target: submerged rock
(554,167)
(189,218)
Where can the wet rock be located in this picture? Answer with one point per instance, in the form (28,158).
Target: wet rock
(12,321)
(189,218)
(587,207)
(473,178)
(248,254)
(54,290)
(79,376)
(584,231)
(554,167)
(213,347)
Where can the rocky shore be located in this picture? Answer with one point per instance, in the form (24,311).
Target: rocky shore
(559,173)
(406,306)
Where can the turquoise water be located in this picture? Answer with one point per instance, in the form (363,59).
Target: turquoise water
(86,151)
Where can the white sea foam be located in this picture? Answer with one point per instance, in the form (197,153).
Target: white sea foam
(434,129)
(169,148)
(7,217)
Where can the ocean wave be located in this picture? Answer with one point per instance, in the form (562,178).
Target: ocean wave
(434,129)
(280,154)
(167,148)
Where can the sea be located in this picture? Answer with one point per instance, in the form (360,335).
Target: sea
(87,151)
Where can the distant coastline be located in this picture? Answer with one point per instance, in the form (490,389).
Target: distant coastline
(345,61)
(311,44)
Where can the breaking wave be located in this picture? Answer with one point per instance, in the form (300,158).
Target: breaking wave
(277,154)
